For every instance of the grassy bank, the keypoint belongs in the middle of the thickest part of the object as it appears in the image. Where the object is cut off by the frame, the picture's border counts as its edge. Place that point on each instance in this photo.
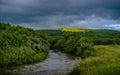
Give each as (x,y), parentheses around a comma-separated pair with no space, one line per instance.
(105,62)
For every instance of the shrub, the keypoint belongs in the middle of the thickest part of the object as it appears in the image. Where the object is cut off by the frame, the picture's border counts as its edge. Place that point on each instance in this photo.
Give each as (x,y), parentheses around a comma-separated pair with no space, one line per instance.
(84,47)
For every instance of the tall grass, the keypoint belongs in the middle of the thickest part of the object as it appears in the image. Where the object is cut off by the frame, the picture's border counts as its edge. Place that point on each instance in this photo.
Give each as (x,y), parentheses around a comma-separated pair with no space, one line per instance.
(105,62)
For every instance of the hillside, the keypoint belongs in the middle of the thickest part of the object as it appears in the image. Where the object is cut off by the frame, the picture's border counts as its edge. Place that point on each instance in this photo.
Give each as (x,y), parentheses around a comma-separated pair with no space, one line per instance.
(99,36)
(20,45)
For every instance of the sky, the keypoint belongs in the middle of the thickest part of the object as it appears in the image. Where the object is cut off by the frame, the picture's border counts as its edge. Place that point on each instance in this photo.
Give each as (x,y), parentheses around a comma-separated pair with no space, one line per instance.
(52,14)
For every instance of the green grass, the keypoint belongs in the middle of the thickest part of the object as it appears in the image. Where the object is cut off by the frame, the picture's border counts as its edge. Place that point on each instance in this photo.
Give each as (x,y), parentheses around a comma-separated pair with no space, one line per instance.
(73,30)
(105,62)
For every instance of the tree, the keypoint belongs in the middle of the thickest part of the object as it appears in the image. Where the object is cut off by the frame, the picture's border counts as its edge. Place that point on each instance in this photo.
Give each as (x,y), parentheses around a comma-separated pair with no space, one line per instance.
(84,47)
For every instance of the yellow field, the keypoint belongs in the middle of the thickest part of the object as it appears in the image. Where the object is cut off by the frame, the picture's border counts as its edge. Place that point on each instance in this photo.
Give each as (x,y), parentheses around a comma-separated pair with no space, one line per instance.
(73,30)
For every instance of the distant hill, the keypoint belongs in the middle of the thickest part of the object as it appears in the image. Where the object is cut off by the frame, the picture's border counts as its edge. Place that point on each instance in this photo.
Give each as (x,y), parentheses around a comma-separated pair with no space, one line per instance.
(73,30)
(98,36)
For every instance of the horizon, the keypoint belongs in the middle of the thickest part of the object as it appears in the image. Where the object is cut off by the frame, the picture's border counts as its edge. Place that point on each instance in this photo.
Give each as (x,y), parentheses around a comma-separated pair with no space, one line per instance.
(63,27)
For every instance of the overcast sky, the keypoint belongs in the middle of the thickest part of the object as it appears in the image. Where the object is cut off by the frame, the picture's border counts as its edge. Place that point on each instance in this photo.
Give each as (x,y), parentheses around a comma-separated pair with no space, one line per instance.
(45,14)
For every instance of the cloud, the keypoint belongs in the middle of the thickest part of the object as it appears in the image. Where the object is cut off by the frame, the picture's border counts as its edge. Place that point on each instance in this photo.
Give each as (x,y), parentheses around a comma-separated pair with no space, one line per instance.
(93,22)
(60,13)
(59,21)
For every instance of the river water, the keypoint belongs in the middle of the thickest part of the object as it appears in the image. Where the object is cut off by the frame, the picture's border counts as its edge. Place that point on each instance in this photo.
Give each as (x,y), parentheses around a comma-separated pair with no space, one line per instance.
(56,63)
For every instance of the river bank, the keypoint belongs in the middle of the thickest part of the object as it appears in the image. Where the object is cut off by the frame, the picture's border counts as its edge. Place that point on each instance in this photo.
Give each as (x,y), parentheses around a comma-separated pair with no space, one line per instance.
(56,63)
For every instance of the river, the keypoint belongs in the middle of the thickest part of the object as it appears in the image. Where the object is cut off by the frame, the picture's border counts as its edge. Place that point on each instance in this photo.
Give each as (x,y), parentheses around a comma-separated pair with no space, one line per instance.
(56,63)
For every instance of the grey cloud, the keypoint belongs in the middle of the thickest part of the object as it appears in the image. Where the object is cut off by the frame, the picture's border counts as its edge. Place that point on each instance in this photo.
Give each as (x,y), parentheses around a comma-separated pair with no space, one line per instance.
(93,22)
(60,13)
(52,22)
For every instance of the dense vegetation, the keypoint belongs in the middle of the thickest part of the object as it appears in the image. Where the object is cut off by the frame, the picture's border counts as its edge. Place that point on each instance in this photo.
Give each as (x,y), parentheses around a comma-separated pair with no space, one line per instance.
(98,37)
(20,45)
(105,62)
(74,44)
(80,42)
(103,37)
(69,42)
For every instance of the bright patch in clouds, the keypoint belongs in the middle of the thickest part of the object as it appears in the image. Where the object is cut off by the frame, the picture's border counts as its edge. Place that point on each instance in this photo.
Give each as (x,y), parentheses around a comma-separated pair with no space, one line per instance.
(113,26)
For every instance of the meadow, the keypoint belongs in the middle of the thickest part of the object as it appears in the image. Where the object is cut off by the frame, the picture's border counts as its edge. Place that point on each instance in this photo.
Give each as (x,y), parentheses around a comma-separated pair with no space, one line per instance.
(105,62)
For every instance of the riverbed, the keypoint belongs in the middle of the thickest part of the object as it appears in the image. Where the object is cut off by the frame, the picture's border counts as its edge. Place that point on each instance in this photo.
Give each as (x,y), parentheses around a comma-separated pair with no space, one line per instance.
(56,63)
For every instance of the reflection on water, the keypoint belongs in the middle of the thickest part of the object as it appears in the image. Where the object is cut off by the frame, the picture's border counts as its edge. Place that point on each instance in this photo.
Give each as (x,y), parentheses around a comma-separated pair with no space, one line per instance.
(56,63)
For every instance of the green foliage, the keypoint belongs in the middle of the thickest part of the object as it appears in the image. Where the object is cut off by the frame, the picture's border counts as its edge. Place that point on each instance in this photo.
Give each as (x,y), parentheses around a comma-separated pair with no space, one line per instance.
(17,56)
(103,37)
(59,44)
(75,44)
(98,37)
(69,45)
(20,45)
(84,47)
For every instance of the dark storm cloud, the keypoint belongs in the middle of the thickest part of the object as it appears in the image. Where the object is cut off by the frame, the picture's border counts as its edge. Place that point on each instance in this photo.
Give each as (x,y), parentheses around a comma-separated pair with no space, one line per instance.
(60,13)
